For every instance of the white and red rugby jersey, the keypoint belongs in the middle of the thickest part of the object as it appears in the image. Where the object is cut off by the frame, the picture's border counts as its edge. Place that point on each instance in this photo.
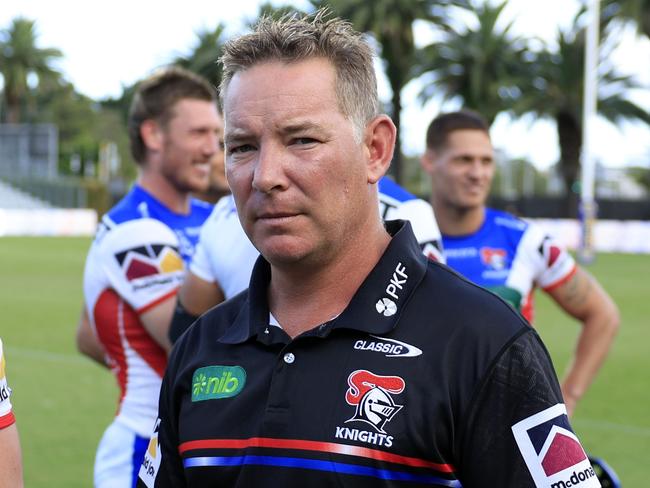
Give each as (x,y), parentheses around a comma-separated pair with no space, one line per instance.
(136,261)
(510,257)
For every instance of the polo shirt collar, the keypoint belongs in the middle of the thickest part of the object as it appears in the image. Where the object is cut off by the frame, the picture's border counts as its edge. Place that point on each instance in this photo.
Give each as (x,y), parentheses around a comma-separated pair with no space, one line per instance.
(377,305)
(375,308)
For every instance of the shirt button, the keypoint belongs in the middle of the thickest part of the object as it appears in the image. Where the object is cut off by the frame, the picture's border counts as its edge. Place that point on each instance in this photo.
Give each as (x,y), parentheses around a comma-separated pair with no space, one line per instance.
(289,358)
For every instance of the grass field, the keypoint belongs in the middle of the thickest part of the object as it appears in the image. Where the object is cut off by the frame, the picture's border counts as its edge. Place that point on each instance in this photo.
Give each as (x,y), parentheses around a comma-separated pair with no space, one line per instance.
(63,402)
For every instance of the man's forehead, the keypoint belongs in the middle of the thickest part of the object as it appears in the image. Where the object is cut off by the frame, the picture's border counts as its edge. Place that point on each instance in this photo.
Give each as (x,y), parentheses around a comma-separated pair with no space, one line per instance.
(467,140)
(294,98)
(277,78)
(245,126)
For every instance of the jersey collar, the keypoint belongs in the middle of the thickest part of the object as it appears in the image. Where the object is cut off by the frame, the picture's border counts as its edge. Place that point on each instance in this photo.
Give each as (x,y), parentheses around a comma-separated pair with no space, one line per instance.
(375,308)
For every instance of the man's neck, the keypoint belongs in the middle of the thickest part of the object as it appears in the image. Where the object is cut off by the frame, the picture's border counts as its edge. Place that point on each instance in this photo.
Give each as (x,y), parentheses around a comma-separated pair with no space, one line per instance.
(166,193)
(303,297)
(454,221)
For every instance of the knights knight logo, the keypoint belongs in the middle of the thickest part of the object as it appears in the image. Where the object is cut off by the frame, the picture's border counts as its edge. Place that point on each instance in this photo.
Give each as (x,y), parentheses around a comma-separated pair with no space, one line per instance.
(371,394)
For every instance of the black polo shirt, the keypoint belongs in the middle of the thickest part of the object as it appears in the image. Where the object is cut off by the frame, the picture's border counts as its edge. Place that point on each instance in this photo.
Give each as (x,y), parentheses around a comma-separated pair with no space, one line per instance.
(418,382)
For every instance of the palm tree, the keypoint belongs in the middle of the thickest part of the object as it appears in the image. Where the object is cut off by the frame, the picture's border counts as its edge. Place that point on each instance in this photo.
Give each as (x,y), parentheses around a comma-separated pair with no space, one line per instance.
(555,90)
(483,66)
(637,11)
(391,24)
(267,9)
(203,57)
(20,59)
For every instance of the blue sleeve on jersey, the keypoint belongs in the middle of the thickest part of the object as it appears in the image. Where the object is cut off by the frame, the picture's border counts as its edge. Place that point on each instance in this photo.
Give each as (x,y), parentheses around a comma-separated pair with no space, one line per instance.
(392,189)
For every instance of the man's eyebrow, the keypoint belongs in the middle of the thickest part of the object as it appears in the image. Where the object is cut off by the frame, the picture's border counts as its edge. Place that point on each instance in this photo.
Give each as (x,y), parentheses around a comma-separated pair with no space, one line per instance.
(235,135)
(299,127)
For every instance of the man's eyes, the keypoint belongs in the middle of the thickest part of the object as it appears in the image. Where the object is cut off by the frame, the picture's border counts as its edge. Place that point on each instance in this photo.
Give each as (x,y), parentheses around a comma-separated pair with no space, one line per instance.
(241,148)
(304,140)
(244,148)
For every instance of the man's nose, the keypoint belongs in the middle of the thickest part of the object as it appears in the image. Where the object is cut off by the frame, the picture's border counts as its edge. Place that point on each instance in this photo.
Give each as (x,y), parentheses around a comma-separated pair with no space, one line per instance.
(269,171)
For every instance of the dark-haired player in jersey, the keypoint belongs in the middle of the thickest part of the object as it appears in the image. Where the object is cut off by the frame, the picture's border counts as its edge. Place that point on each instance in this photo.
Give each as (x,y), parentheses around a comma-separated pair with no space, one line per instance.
(506,254)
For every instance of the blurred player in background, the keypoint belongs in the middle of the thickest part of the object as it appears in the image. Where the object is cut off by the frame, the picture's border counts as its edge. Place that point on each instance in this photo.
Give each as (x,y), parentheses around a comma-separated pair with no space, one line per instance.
(11,467)
(505,254)
(224,258)
(137,261)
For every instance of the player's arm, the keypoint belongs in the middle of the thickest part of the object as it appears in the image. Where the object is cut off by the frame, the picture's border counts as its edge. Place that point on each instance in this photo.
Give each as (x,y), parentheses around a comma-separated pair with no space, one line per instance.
(195,297)
(156,321)
(516,431)
(87,342)
(198,295)
(11,467)
(583,298)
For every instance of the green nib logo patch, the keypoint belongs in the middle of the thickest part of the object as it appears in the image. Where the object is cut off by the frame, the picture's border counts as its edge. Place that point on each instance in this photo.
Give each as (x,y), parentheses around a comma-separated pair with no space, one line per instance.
(213,382)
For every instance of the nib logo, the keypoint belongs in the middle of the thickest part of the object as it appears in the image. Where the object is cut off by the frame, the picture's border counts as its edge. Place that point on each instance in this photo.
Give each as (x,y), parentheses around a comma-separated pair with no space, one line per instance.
(552,451)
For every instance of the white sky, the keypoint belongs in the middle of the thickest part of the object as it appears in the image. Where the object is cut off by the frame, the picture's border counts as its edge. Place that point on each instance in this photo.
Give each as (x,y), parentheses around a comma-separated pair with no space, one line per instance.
(109,45)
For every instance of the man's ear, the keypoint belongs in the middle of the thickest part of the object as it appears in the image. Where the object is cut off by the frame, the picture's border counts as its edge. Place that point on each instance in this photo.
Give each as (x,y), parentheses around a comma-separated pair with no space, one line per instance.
(379,141)
(426,160)
(152,135)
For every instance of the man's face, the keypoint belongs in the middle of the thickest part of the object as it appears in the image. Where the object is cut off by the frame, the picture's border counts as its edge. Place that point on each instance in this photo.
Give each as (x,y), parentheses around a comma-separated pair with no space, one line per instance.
(190,141)
(298,176)
(462,171)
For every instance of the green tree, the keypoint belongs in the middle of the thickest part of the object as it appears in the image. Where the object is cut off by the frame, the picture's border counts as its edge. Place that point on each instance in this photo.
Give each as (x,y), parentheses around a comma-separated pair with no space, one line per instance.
(76,117)
(267,9)
(555,90)
(637,11)
(203,57)
(641,175)
(391,24)
(20,61)
(483,66)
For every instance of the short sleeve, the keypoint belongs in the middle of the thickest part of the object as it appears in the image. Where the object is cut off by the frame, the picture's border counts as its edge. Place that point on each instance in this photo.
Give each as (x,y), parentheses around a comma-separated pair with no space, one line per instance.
(224,254)
(423,222)
(139,259)
(200,264)
(552,263)
(517,431)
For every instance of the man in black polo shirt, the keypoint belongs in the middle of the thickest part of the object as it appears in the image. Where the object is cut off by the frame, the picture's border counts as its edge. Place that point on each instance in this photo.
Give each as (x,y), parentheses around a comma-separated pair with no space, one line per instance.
(351,360)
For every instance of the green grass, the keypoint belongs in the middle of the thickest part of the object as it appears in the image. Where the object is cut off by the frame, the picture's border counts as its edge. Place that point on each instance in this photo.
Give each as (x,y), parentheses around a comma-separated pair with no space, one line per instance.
(63,402)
